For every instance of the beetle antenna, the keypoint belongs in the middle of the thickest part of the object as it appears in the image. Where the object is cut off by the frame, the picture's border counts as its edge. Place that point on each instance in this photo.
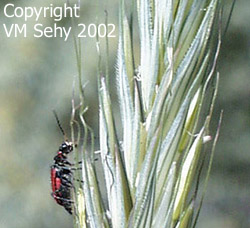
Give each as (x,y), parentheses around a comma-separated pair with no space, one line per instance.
(58,123)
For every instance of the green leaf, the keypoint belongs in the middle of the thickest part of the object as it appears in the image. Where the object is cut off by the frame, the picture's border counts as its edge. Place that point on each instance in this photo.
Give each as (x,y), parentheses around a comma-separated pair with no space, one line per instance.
(94,207)
(187,172)
(162,212)
(146,179)
(125,88)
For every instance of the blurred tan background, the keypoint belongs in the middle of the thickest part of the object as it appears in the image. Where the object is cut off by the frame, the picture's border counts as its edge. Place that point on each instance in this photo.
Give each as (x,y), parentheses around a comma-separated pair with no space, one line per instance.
(36,76)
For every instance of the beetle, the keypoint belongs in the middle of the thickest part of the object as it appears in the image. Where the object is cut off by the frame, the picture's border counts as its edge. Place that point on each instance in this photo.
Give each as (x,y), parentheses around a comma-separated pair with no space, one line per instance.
(61,174)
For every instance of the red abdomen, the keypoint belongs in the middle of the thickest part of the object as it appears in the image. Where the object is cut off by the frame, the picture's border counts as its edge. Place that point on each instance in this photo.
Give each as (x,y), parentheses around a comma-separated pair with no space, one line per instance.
(55,184)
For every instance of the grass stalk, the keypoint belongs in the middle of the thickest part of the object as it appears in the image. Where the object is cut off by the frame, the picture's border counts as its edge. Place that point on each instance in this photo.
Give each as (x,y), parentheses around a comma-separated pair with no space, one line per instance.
(152,173)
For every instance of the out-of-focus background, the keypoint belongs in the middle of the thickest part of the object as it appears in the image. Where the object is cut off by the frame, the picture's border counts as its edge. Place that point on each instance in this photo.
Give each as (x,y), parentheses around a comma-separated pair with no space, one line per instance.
(36,76)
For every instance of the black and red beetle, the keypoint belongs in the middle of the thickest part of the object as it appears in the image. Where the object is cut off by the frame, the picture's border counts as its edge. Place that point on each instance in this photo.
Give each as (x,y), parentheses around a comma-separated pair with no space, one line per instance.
(61,174)
(61,177)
